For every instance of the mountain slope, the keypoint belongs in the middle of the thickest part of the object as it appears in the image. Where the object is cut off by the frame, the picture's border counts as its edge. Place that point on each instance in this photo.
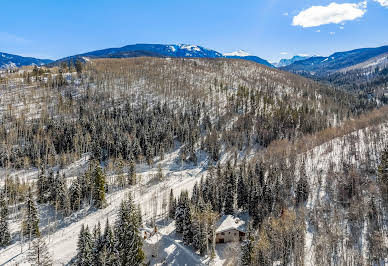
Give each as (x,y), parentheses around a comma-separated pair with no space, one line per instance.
(240,54)
(325,65)
(162,50)
(286,62)
(174,116)
(10,60)
(154,50)
(378,62)
(252,58)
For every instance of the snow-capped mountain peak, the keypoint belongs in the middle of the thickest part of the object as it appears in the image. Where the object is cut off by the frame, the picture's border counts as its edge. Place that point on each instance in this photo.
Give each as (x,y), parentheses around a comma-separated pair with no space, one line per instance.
(237,53)
(189,47)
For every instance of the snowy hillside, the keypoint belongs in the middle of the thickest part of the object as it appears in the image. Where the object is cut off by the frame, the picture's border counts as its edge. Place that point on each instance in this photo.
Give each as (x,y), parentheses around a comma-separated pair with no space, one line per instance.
(321,66)
(237,53)
(191,139)
(379,62)
(62,234)
(11,61)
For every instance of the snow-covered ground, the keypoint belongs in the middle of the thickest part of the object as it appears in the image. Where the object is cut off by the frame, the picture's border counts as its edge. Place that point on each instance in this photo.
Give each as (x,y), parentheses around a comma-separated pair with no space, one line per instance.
(356,148)
(152,196)
(165,247)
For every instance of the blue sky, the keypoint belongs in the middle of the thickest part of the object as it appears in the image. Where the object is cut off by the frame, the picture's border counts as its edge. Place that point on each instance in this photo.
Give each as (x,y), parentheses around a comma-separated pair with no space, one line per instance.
(271,29)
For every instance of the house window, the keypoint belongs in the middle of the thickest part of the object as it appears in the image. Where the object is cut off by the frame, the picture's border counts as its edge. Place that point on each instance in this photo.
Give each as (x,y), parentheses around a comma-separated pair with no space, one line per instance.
(222,233)
(229,233)
(235,234)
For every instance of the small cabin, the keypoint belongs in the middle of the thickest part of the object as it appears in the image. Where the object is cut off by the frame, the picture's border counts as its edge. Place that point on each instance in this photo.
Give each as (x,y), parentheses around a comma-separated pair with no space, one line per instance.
(230,229)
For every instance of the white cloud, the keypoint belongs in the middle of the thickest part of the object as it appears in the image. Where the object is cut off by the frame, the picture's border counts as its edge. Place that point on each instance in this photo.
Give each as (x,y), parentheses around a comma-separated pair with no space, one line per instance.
(382,2)
(318,31)
(342,27)
(332,33)
(285,14)
(333,13)
(303,54)
(283,53)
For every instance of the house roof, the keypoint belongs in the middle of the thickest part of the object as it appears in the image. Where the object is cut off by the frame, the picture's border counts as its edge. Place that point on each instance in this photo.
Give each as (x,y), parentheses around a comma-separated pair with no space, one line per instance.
(229,222)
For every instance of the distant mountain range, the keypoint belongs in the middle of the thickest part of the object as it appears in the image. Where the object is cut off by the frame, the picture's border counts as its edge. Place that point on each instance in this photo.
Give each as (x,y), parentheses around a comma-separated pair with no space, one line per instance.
(240,54)
(161,50)
(373,64)
(321,66)
(316,66)
(286,62)
(363,70)
(11,61)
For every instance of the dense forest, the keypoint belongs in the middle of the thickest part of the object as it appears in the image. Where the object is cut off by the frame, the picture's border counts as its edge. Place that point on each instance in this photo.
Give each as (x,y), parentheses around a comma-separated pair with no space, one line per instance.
(107,116)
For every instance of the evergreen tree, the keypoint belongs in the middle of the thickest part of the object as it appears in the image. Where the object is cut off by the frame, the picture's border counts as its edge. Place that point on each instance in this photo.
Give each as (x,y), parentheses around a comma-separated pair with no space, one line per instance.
(195,194)
(179,211)
(206,190)
(139,216)
(229,206)
(75,195)
(66,204)
(218,200)
(195,228)
(267,202)
(183,218)
(187,224)
(60,194)
(247,248)
(103,256)
(110,246)
(128,235)
(43,188)
(229,200)
(302,190)
(84,247)
(211,218)
(251,192)
(259,174)
(86,186)
(119,170)
(99,187)
(302,187)
(98,244)
(171,205)
(203,238)
(39,254)
(51,187)
(242,194)
(132,172)
(30,223)
(4,226)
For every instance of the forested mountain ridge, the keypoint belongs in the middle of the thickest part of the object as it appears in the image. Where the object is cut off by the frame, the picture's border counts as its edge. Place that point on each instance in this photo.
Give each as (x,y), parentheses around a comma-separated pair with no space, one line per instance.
(286,62)
(325,65)
(377,62)
(224,90)
(362,71)
(12,61)
(158,50)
